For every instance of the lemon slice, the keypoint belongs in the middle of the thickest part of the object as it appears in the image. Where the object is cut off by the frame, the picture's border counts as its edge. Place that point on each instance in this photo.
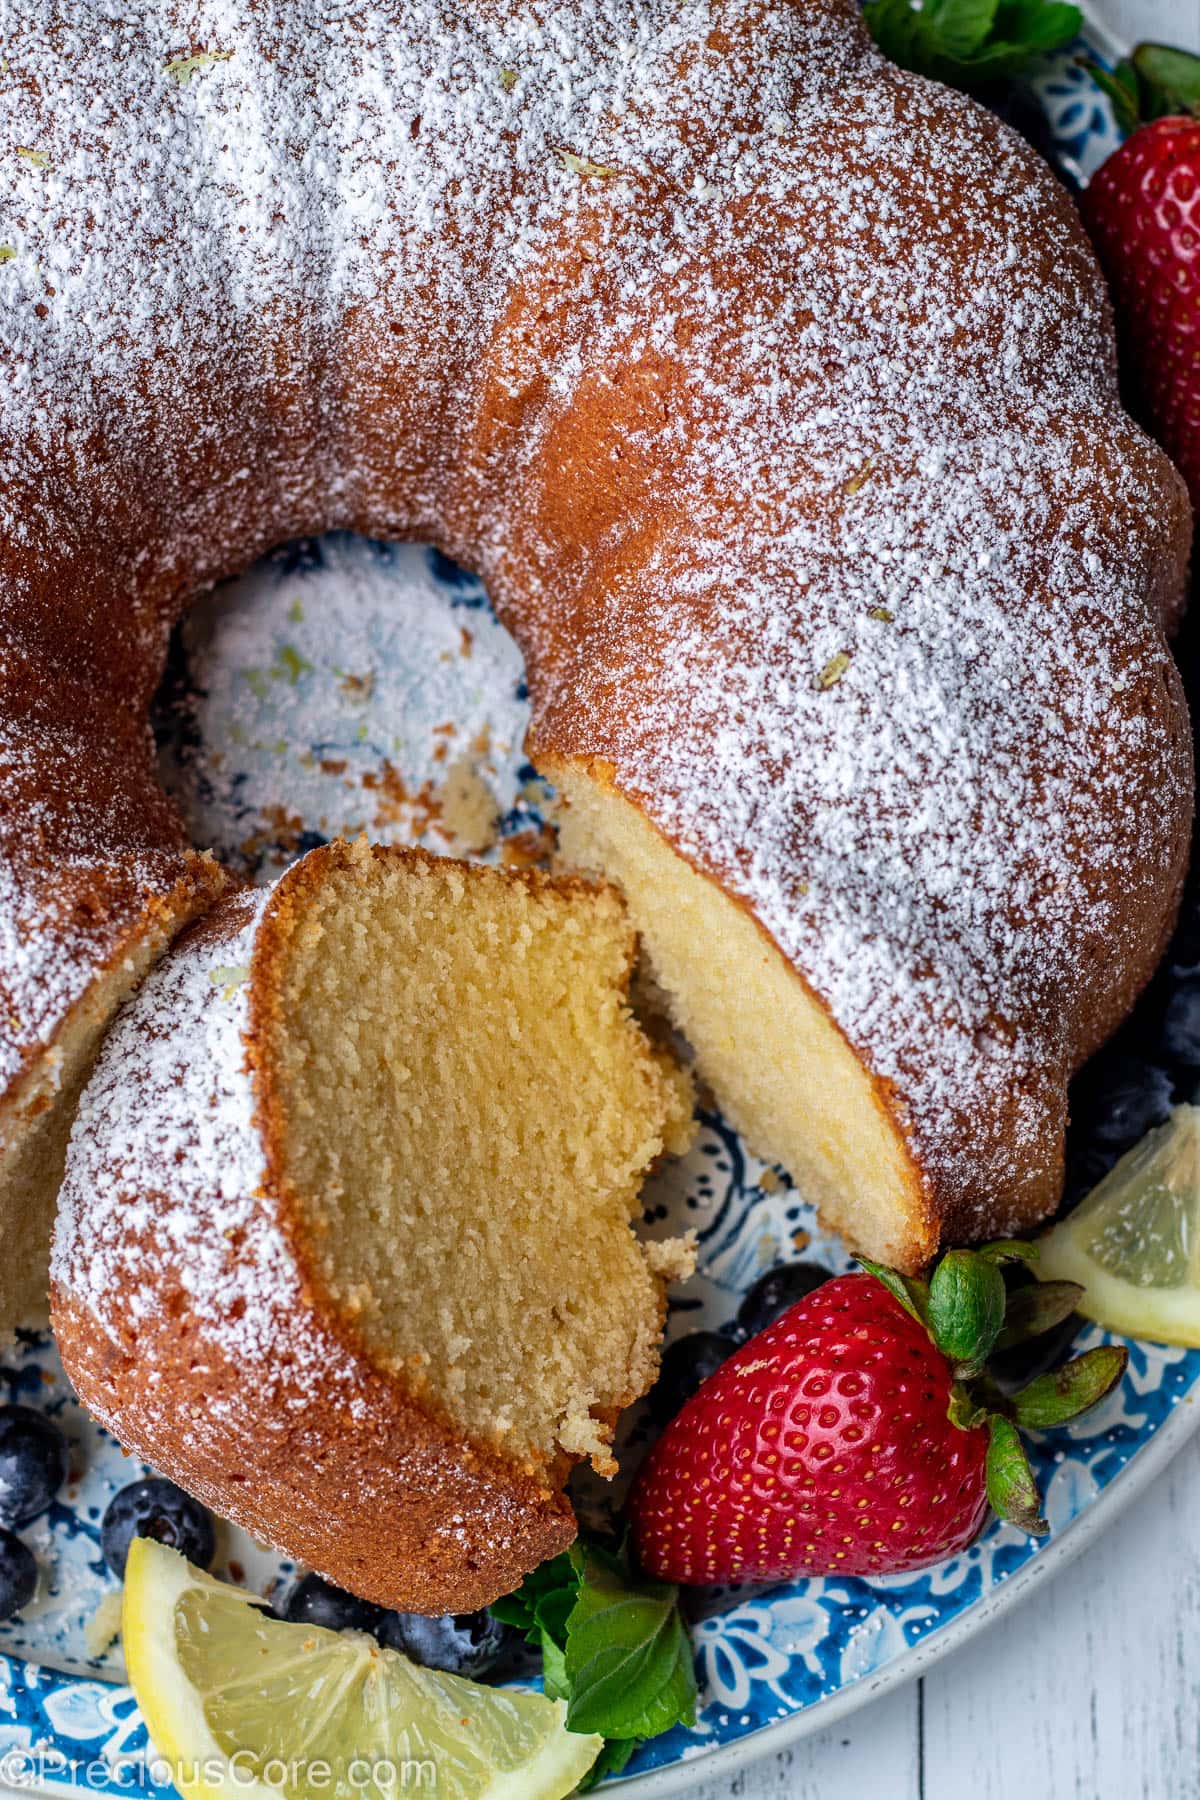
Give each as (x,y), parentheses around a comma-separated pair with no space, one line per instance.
(1134,1243)
(238,1703)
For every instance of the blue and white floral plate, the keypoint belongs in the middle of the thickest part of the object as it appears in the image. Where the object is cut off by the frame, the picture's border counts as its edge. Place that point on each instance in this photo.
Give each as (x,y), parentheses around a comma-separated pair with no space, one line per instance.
(348,686)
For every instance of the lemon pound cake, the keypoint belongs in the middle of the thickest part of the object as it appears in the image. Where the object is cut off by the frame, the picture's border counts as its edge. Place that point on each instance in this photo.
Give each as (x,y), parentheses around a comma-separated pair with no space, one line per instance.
(772,392)
(344,1244)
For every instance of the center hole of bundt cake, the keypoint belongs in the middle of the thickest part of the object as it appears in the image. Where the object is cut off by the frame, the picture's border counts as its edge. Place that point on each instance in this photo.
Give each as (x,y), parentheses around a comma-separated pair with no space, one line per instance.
(464,1109)
(345,685)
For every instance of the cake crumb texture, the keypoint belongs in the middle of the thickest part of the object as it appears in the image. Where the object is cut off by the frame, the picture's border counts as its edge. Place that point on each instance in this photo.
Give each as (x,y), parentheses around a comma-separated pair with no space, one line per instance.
(345,1240)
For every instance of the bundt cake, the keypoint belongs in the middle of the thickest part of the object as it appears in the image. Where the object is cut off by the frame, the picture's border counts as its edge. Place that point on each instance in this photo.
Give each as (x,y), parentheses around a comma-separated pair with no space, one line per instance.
(344,1243)
(772,392)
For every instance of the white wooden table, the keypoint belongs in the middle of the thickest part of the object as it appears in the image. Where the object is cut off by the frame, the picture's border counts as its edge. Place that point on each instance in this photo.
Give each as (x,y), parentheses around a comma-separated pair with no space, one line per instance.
(1091,1689)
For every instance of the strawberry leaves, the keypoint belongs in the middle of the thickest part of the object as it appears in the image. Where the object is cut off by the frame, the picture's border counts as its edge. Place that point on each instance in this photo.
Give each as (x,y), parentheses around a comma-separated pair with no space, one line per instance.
(970,1311)
(966,1309)
(1063,1394)
(1155,82)
(1036,1309)
(970,42)
(614,1647)
(1049,1400)
(909,1290)
(1011,1488)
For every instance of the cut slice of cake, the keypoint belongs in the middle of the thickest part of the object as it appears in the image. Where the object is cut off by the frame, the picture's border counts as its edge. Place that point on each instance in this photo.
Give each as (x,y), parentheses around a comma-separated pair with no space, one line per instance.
(345,1239)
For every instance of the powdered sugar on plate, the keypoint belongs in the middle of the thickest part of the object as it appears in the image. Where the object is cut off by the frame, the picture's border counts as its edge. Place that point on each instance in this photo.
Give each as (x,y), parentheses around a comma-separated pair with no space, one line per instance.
(342,687)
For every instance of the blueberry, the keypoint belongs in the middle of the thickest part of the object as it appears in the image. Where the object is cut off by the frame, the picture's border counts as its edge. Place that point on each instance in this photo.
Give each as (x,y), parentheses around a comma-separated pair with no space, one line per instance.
(685,1364)
(1025,116)
(1181,1024)
(18,1575)
(458,1643)
(773,1293)
(1184,955)
(314,1601)
(156,1509)
(33,1463)
(1123,1100)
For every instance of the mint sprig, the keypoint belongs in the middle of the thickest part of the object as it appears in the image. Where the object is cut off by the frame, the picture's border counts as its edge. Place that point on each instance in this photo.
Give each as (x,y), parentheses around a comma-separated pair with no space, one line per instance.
(971,42)
(613,1645)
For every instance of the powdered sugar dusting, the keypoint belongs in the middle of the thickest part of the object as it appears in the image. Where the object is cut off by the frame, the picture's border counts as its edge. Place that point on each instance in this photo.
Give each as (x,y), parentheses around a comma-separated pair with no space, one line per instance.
(772,393)
(165,1129)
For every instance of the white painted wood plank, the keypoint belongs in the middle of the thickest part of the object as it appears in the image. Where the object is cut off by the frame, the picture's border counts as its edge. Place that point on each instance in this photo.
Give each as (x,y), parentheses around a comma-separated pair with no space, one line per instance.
(1168,21)
(1092,1690)
(871,1756)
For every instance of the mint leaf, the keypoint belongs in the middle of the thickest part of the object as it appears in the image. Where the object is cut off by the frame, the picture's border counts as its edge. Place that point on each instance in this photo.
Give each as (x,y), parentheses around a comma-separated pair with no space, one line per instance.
(963,25)
(970,42)
(553,1609)
(554,1670)
(628,1658)
(611,1760)
(539,1607)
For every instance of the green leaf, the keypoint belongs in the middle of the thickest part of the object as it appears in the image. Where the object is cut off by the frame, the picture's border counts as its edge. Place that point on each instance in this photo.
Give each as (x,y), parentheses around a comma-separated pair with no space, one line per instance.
(1008,1250)
(970,42)
(1064,1393)
(511,1609)
(1010,1484)
(628,1658)
(1037,1308)
(1037,25)
(1121,86)
(966,1308)
(555,1679)
(1168,80)
(542,1601)
(964,1410)
(554,1609)
(611,1760)
(962,26)
(912,1294)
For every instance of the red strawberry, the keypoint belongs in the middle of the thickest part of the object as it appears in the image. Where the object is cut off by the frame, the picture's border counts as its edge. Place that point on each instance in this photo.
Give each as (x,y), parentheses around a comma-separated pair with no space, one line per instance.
(843,1439)
(1142,208)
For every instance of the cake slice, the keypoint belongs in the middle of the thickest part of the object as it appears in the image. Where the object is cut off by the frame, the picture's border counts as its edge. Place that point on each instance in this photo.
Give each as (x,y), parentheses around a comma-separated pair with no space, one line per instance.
(345,1244)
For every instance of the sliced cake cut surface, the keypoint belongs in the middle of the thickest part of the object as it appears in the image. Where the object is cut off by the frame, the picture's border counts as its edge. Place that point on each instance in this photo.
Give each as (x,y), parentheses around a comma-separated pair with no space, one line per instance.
(358,1267)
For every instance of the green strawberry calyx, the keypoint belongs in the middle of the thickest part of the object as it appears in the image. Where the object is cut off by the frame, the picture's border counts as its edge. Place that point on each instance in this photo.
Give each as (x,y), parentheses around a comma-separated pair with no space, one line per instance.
(971,1313)
(1153,82)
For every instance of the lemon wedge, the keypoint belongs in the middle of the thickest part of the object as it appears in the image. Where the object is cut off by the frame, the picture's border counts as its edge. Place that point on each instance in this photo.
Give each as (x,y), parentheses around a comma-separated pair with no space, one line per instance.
(1134,1243)
(238,1703)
